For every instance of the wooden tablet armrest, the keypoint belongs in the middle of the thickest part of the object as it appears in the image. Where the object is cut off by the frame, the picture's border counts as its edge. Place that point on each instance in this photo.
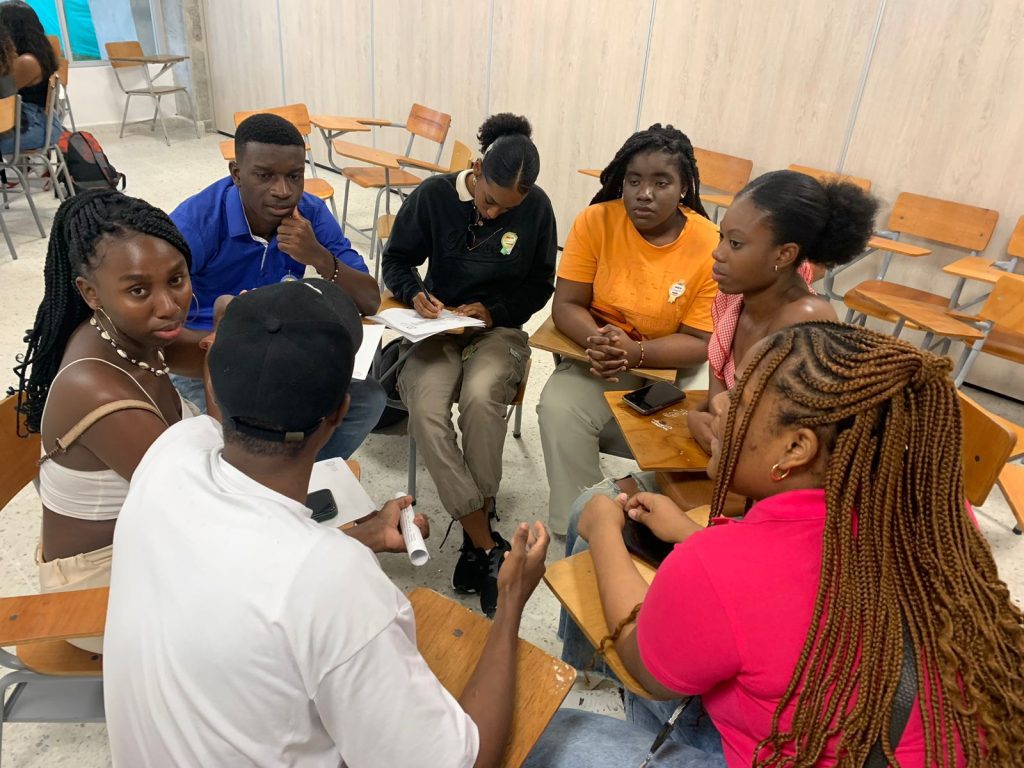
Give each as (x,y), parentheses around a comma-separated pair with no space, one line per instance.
(423,164)
(895,246)
(53,616)
(723,201)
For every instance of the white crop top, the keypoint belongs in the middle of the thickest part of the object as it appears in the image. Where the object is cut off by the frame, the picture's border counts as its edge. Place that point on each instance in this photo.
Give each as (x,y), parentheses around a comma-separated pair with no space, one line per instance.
(88,494)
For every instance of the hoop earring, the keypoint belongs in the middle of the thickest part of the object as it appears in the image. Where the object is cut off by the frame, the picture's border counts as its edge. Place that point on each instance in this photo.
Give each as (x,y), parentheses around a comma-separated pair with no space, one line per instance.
(778,475)
(776,267)
(195,301)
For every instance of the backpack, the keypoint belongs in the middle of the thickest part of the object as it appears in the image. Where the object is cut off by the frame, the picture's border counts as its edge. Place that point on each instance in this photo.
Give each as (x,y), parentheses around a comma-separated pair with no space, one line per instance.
(87,162)
(388,357)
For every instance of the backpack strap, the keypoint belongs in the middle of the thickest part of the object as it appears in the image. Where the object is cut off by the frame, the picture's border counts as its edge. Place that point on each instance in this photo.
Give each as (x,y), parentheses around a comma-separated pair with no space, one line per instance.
(902,703)
(65,442)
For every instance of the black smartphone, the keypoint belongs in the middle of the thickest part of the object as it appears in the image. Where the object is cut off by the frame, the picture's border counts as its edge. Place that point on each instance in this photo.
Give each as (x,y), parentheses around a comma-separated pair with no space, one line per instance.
(322,504)
(654,397)
(642,543)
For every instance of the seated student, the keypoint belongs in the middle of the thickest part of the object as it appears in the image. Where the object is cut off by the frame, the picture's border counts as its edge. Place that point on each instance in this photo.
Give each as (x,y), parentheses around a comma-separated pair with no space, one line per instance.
(635,289)
(257,227)
(780,228)
(489,236)
(32,67)
(117,292)
(268,639)
(857,559)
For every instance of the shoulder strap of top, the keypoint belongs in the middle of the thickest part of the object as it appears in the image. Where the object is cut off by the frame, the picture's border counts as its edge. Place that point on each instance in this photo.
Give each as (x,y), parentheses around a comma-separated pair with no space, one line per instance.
(65,442)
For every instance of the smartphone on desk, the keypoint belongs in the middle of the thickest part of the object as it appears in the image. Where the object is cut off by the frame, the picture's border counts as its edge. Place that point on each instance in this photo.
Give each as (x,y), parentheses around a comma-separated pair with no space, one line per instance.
(654,397)
(323,505)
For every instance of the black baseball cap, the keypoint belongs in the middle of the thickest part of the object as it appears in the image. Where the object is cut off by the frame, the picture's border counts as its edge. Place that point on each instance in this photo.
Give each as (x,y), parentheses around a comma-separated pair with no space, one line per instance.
(283,358)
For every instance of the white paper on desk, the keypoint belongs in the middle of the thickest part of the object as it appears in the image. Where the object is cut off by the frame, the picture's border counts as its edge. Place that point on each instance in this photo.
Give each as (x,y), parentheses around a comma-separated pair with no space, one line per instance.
(372,335)
(410,324)
(351,498)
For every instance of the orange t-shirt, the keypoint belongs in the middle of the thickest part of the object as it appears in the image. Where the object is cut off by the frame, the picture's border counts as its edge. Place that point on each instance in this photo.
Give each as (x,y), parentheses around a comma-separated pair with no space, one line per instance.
(634,277)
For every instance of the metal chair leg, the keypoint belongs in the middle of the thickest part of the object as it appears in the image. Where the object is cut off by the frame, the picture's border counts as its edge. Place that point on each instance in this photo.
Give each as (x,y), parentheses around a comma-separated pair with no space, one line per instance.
(411,490)
(344,207)
(28,196)
(7,237)
(156,112)
(163,124)
(124,117)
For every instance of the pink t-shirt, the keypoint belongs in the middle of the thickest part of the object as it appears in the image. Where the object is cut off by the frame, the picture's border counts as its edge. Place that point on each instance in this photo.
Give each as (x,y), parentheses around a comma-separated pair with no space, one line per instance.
(727,615)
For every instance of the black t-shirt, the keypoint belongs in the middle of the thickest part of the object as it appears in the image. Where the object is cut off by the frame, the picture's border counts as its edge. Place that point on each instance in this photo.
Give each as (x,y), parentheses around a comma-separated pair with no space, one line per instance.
(507,264)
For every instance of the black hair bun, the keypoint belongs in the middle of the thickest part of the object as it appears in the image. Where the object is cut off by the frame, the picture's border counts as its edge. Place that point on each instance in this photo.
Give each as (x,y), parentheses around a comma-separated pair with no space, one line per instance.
(849,226)
(502,124)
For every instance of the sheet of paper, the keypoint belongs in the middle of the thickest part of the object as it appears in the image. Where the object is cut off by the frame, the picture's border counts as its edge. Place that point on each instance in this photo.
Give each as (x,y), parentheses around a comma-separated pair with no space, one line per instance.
(351,498)
(412,326)
(364,357)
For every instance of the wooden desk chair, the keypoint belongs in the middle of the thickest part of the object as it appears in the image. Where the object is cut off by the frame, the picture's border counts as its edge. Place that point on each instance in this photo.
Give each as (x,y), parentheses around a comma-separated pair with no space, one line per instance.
(823,176)
(947,223)
(297,115)
(49,154)
(462,158)
(389,177)
(1011,483)
(63,102)
(450,637)
(10,120)
(133,49)
(726,173)
(989,442)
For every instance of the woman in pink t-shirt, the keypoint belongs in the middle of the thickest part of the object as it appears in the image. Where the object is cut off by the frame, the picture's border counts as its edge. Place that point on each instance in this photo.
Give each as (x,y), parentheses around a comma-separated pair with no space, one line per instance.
(790,624)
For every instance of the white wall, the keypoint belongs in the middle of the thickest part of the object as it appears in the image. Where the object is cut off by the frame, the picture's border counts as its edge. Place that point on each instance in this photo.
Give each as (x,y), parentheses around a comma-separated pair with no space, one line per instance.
(96,99)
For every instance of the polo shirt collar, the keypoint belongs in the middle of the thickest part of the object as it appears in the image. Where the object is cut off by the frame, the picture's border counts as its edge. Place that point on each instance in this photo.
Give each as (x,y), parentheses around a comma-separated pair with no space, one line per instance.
(238,223)
(462,186)
(806,504)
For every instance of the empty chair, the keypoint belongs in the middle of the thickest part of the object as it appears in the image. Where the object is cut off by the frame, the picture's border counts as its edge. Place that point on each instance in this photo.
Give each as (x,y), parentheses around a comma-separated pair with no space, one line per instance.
(726,173)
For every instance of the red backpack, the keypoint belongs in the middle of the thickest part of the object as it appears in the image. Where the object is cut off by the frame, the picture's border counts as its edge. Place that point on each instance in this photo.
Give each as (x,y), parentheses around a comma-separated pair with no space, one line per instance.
(87,162)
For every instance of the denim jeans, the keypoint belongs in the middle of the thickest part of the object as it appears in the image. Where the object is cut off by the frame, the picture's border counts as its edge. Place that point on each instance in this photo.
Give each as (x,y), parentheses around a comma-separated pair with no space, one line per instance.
(33,130)
(368,401)
(576,649)
(577,739)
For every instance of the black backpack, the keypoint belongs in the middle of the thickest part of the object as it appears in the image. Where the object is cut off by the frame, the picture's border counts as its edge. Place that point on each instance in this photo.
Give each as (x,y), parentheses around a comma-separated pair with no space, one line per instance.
(88,163)
(388,357)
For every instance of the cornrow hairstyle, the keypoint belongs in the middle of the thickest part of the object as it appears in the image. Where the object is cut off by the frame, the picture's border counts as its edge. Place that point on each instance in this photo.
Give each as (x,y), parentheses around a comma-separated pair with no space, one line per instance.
(657,138)
(267,128)
(80,223)
(28,35)
(510,158)
(890,416)
(830,221)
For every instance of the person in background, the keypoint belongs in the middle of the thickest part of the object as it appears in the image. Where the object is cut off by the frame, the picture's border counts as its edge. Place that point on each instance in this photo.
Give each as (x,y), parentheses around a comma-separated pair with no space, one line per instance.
(257,227)
(116,295)
(635,290)
(33,64)
(488,235)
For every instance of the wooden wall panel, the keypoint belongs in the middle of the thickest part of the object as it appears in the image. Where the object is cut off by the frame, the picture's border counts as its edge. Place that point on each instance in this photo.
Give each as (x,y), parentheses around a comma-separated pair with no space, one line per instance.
(771,82)
(941,117)
(244,52)
(435,54)
(574,68)
(327,62)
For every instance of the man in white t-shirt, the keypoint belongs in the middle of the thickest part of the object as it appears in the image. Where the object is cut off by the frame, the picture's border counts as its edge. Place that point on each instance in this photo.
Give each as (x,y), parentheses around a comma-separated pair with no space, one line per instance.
(242,633)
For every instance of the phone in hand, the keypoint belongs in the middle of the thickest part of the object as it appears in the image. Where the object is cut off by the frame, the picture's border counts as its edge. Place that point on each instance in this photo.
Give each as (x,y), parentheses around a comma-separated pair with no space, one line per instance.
(323,505)
(654,397)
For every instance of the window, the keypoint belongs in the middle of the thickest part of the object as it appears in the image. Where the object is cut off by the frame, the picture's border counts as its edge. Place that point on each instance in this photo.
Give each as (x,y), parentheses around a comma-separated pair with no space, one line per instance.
(89,24)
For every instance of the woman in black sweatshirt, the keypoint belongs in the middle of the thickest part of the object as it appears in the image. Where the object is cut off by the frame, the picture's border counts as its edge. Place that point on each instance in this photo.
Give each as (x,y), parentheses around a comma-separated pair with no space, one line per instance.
(488,235)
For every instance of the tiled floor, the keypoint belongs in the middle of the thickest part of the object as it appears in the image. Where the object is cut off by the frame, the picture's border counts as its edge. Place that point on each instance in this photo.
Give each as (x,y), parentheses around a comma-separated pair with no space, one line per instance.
(164,176)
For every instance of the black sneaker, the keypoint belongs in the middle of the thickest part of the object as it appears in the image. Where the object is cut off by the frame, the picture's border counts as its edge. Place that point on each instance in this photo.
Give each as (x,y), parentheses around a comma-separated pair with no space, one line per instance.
(469,568)
(489,575)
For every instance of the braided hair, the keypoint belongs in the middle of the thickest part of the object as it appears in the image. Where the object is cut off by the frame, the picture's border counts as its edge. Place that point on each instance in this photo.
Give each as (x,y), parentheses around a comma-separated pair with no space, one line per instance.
(890,416)
(657,138)
(80,223)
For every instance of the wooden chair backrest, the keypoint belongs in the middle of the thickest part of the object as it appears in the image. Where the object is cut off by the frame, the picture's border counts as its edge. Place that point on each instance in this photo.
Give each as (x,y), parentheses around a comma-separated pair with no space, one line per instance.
(8,113)
(1005,305)
(957,224)
(462,157)
(725,172)
(1016,246)
(987,447)
(19,456)
(62,72)
(124,48)
(296,114)
(428,123)
(450,637)
(824,176)
(55,44)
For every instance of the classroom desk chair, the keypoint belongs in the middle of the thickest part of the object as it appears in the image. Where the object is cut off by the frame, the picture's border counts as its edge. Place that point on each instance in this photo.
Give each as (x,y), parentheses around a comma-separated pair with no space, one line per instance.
(63,100)
(10,120)
(48,155)
(726,173)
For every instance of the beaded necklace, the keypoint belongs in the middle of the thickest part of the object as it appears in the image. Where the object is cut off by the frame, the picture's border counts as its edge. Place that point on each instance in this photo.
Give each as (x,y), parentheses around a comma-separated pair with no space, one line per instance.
(162,370)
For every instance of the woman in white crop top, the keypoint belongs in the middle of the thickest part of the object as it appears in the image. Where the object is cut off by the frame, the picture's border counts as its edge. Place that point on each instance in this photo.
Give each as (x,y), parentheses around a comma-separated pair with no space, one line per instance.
(117,292)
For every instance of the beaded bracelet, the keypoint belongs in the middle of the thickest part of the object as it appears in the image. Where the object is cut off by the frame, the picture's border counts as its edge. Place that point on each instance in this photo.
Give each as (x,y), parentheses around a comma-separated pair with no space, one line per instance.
(334,274)
(640,362)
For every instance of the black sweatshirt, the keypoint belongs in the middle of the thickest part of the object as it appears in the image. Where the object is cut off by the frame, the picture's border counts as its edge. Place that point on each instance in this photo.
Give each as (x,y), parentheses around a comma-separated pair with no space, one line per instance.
(433,223)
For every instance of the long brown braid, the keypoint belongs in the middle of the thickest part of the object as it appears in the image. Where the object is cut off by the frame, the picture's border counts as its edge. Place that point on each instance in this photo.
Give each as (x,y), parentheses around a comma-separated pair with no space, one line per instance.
(898,543)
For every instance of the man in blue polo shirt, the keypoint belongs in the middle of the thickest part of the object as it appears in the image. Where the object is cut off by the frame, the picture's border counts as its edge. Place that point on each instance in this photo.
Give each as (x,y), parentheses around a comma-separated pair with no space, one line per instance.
(257,227)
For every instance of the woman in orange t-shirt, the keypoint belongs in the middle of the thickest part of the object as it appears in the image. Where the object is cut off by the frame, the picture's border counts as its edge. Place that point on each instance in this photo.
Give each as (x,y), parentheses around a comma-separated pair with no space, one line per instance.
(634,290)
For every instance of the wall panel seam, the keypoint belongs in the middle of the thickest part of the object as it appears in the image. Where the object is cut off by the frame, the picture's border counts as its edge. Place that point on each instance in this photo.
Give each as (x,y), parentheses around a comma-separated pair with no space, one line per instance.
(280,53)
(643,72)
(869,56)
(490,51)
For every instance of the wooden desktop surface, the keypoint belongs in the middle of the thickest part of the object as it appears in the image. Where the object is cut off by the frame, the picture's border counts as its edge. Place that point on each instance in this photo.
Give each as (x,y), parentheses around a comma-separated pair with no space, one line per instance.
(367,154)
(665,449)
(338,124)
(165,58)
(550,339)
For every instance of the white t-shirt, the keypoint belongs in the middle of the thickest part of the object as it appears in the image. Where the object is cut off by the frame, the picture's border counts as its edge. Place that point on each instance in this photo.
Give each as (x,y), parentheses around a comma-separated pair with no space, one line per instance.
(242,633)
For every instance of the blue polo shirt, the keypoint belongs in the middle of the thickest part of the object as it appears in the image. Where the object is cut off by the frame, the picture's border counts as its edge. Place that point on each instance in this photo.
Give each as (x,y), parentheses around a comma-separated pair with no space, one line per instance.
(228,259)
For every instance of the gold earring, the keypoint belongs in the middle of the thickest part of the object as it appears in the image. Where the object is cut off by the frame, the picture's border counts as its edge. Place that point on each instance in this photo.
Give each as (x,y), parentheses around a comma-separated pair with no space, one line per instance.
(776,267)
(778,475)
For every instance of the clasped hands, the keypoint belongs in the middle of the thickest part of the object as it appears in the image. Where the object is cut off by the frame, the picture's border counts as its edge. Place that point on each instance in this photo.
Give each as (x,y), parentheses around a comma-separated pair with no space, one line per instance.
(611,352)
(659,513)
